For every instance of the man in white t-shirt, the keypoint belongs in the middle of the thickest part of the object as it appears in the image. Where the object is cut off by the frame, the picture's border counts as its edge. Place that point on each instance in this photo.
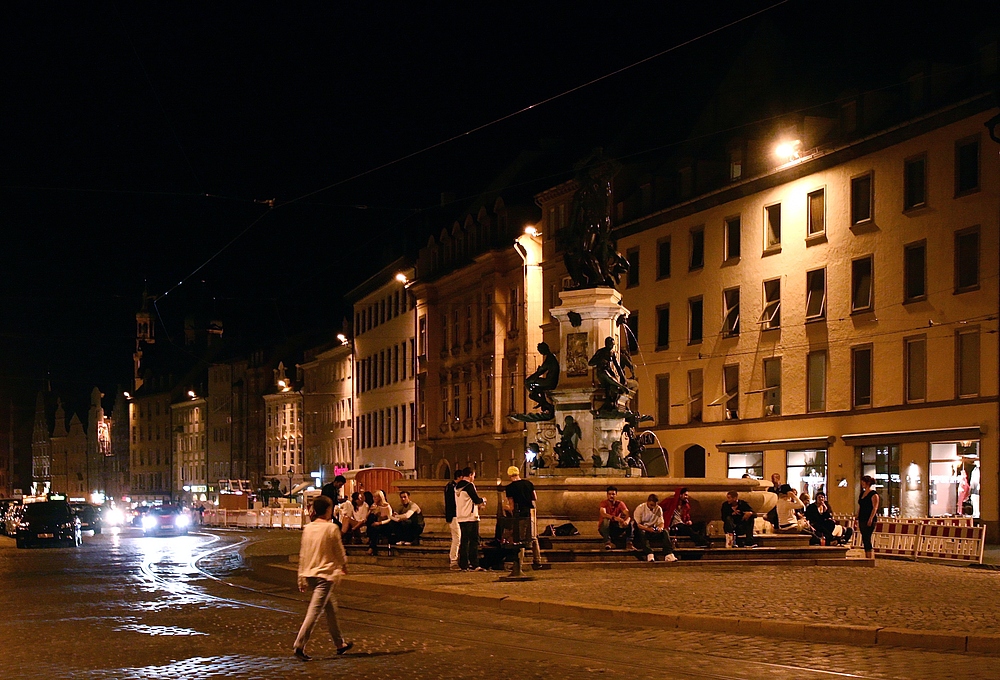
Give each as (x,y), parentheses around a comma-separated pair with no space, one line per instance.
(322,562)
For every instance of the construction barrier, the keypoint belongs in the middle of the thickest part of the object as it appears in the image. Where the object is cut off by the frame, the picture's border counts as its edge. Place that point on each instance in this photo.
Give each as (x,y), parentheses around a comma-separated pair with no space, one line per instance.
(264,518)
(943,542)
(896,538)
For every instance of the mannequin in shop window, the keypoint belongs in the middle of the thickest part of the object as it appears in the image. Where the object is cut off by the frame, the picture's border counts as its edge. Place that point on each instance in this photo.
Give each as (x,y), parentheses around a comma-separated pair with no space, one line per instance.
(974,489)
(963,490)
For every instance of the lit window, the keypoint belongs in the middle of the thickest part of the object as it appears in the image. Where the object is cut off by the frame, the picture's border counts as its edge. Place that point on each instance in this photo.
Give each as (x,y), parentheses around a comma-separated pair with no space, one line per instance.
(816,294)
(746,464)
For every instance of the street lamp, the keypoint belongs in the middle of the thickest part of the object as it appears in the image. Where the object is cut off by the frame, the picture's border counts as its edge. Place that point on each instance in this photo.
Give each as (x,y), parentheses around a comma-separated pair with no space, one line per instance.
(788,151)
(291,471)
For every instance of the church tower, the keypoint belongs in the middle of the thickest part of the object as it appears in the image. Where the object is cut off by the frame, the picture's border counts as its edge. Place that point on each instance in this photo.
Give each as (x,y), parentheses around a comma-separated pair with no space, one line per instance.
(144,335)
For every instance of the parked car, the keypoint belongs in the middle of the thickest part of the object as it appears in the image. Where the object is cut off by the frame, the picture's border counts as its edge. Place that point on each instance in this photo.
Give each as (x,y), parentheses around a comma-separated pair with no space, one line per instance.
(168,519)
(48,522)
(90,516)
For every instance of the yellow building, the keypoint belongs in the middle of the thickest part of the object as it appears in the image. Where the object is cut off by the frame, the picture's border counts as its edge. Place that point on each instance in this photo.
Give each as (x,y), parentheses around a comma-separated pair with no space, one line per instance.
(384,351)
(283,435)
(478,315)
(190,468)
(327,384)
(832,316)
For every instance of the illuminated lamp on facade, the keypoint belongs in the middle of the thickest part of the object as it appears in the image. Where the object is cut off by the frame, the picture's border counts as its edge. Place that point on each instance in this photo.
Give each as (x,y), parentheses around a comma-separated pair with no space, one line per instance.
(788,151)
(531,231)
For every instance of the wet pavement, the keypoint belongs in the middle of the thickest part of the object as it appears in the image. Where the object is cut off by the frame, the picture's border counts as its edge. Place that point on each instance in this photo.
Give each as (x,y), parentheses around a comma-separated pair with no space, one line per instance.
(126,606)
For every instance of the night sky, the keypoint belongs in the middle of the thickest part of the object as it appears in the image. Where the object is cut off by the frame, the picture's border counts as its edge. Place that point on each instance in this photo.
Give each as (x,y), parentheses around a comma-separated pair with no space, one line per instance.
(142,138)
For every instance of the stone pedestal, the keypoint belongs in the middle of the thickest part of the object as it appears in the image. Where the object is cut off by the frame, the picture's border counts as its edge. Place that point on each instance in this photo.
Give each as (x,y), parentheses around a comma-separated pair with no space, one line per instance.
(586,317)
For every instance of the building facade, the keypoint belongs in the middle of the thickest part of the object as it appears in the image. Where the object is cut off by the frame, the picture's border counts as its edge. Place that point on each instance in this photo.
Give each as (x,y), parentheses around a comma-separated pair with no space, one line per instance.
(475,343)
(385,359)
(190,448)
(832,316)
(284,433)
(328,405)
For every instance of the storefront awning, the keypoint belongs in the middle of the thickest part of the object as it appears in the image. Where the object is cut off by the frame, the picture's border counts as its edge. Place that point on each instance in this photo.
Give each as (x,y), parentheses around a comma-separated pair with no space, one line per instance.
(944,434)
(771,444)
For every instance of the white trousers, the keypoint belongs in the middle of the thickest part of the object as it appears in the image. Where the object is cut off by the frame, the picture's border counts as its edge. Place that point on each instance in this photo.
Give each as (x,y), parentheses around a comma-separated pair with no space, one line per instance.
(456,536)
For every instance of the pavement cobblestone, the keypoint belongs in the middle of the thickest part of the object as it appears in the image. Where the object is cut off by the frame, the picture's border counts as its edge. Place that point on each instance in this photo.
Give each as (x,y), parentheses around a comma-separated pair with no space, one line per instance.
(128,611)
(899,594)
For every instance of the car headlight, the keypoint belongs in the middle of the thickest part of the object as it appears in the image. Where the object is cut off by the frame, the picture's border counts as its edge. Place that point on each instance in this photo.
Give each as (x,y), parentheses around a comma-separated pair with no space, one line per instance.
(114,517)
(182,520)
(148,522)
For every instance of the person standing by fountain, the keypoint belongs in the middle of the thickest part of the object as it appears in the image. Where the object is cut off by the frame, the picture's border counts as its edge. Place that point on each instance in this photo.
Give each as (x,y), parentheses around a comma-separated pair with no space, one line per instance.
(452,522)
(467,504)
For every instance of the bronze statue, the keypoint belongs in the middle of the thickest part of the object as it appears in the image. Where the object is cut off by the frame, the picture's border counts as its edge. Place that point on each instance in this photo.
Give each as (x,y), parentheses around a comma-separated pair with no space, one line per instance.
(565,450)
(591,255)
(609,374)
(625,354)
(615,457)
(545,378)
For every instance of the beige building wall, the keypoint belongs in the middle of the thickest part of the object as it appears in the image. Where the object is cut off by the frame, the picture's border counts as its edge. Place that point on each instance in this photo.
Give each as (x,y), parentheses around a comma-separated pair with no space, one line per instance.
(190,447)
(385,386)
(478,326)
(284,432)
(328,402)
(938,317)
(150,448)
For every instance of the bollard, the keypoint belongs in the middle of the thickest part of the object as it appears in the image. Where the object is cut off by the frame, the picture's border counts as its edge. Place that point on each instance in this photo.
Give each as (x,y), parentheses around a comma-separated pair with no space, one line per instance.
(516,574)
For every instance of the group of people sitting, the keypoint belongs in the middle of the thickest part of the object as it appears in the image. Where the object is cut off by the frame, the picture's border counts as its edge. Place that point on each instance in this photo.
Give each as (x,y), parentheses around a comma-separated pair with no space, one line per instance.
(657,523)
(795,514)
(653,523)
(367,514)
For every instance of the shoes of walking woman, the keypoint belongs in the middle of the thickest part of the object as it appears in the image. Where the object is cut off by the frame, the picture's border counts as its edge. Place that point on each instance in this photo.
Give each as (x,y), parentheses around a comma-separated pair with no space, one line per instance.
(301,655)
(343,650)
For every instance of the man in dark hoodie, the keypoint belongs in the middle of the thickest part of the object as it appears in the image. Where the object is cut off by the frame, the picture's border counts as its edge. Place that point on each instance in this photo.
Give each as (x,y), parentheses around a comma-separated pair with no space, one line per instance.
(467,504)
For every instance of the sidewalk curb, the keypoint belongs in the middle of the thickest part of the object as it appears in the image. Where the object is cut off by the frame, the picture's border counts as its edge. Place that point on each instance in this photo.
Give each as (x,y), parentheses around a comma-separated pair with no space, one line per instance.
(856,635)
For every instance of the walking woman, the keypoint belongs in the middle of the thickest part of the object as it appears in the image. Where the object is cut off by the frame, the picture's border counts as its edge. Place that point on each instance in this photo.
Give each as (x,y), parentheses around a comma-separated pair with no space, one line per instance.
(868,503)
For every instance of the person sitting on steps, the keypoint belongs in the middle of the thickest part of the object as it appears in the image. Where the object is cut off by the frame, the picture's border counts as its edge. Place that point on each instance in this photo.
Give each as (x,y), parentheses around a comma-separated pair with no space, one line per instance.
(677,513)
(613,520)
(737,519)
(788,503)
(648,528)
